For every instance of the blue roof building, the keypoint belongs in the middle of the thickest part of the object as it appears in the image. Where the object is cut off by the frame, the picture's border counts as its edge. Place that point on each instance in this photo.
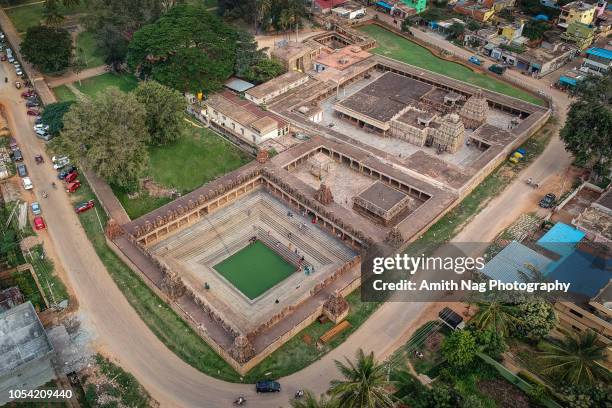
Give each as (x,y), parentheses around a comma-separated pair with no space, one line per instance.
(598,60)
(513,259)
(561,239)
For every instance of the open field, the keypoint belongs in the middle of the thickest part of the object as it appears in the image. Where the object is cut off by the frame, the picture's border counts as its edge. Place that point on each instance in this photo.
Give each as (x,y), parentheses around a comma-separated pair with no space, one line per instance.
(393,46)
(254,278)
(201,152)
(86,48)
(30,14)
(63,94)
(92,86)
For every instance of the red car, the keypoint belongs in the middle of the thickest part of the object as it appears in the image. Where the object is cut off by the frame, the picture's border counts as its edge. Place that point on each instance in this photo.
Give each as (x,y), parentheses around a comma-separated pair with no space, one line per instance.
(84,206)
(39,223)
(27,94)
(74,186)
(71,177)
(32,112)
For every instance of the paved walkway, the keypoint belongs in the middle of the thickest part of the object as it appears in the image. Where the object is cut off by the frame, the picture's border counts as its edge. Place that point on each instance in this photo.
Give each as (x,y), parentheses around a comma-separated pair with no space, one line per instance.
(71,77)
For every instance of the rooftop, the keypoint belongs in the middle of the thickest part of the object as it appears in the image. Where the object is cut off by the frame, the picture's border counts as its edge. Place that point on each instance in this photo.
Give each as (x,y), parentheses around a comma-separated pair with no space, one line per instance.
(600,52)
(578,5)
(242,110)
(561,239)
(343,58)
(238,85)
(382,196)
(22,337)
(275,84)
(515,258)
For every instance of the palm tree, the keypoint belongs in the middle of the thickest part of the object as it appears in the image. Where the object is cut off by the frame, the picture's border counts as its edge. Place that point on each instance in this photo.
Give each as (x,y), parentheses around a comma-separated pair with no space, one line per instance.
(51,13)
(263,8)
(576,359)
(363,385)
(494,315)
(310,401)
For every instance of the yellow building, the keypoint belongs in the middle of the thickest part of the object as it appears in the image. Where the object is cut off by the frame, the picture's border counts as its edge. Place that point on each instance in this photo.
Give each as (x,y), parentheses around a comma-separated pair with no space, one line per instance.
(577,11)
(512,31)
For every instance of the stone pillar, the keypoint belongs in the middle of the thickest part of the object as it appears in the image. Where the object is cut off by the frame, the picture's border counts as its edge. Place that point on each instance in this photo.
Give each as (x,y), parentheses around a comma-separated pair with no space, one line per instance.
(113,229)
(336,308)
(242,350)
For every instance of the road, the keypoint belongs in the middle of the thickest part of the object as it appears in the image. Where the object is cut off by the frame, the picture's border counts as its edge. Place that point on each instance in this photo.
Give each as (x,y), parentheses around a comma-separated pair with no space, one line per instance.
(122,334)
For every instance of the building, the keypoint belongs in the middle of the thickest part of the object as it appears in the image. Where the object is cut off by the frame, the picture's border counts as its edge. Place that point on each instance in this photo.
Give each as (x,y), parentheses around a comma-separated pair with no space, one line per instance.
(340,59)
(325,6)
(512,31)
(582,35)
(475,10)
(296,56)
(25,360)
(596,220)
(578,11)
(545,60)
(262,94)
(10,297)
(597,61)
(418,5)
(242,119)
(350,10)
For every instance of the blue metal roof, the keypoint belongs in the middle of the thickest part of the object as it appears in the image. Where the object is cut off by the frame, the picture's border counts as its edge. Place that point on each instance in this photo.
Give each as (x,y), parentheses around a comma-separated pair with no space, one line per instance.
(567,81)
(515,257)
(561,239)
(586,272)
(600,52)
(385,5)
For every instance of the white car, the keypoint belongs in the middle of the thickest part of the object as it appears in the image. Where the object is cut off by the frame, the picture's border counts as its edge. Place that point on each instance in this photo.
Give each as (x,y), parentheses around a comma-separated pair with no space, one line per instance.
(59,162)
(41,126)
(41,132)
(27,183)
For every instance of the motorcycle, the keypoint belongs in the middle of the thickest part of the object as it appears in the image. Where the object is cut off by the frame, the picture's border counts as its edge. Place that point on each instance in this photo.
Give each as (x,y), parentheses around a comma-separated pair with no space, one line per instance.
(299,394)
(240,401)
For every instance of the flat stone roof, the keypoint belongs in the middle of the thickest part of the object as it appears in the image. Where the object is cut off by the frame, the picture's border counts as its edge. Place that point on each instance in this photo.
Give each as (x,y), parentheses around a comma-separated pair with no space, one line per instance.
(343,58)
(22,337)
(271,86)
(386,96)
(382,196)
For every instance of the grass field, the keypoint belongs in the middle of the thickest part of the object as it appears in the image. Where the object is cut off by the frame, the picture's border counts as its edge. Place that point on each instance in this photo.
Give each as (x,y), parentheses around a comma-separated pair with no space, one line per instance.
(254,269)
(86,48)
(27,15)
(196,158)
(393,46)
(63,93)
(91,86)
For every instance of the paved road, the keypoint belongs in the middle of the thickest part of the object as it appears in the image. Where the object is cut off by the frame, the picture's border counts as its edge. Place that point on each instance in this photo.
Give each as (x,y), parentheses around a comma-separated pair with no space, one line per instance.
(172,382)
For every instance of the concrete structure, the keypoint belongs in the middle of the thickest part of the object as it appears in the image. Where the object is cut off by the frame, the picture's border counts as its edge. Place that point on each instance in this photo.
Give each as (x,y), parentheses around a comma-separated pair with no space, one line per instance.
(296,56)
(597,61)
(10,297)
(242,119)
(450,135)
(350,10)
(545,60)
(580,34)
(25,351)
(512,31)
(475,10)
(596,219)
(418,5)
(576,11)
(262,94)
(340,59)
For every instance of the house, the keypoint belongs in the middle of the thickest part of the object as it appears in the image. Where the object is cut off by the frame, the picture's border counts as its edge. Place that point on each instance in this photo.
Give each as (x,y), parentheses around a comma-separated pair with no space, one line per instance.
(542,60)
(350,10)
(25,361)
(296,56)
(576,11)
(512,31)
(418,5)
(597,61)
(263,93)
(582,35)
(475,10)
(325,6)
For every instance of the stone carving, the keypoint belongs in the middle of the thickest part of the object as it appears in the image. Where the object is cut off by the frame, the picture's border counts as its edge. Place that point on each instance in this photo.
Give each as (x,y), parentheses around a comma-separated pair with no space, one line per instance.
(394,238)
(242,350)
(324,194)
(113,229)
(336,308)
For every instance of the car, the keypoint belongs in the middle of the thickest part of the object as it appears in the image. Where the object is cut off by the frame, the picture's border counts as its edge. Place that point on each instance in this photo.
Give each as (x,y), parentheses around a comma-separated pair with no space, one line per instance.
(13,144)
(17,156)
(27,183)
(22,170)
(267,386)
(84,206)
(3,57)
(32,112)
(38,121)
(27,94)
(498,69)
(60,162)
(74,186)
(475,60)
(548,201)
(40,132)
(41,126)
(71,177)
(32,104)
(39,223)
(35,208)
(19,72)
(66,171)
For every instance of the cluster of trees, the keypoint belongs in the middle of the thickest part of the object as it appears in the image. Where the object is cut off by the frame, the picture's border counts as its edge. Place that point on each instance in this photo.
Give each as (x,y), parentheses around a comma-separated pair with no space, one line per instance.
(588,129)
(111,134)
(189,49)
(265,15)
(47,48)
(534,29)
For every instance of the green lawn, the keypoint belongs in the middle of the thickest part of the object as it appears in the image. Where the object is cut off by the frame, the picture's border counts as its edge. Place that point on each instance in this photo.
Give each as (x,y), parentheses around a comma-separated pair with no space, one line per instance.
(63,93)
(255,269)
(394,46)
(26,16)
(198,157)
(91,86)
(86,48)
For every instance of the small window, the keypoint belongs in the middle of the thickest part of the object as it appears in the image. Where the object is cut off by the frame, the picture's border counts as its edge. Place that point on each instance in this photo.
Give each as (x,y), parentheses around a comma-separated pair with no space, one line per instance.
(572,311)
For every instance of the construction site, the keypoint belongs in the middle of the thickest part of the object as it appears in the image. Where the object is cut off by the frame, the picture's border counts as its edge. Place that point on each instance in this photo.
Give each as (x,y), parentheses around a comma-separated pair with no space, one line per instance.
(377,151)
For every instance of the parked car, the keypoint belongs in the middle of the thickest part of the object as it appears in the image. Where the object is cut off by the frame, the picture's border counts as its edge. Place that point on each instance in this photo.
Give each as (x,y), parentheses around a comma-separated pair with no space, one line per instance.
(498,69)
(74,186)
(27,94)
(38,121)
(66,171)
(27,183)
(40,132)
(84,206)
(39,223)
(17,156)
(32,112)
(13,144)
(475,60)
(22,170)
(60,162)
(548,201)
(71,177)
(267,386)
(32,104)
(35,208)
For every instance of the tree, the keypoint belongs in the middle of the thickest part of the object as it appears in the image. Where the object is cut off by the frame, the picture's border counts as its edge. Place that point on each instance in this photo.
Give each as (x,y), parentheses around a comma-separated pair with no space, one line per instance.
(264,70)
(473,25)
(535,319)
(187,49)
(263,8)
(459,348)
(112,44)
(490,342)
(576,359)
(494,315)
(309,400)
(48,49)
(363,383)
(247,54)
(109,136)
(164,109)
(53,116)
(51,14)
(584,396)
(78,65)
(455,31)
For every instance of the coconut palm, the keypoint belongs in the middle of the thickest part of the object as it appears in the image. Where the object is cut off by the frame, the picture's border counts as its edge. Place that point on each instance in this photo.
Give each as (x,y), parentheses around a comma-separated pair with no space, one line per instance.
(576,359)
(263,8)
(363,385)
(494,315)
(52,16)
(309,400)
